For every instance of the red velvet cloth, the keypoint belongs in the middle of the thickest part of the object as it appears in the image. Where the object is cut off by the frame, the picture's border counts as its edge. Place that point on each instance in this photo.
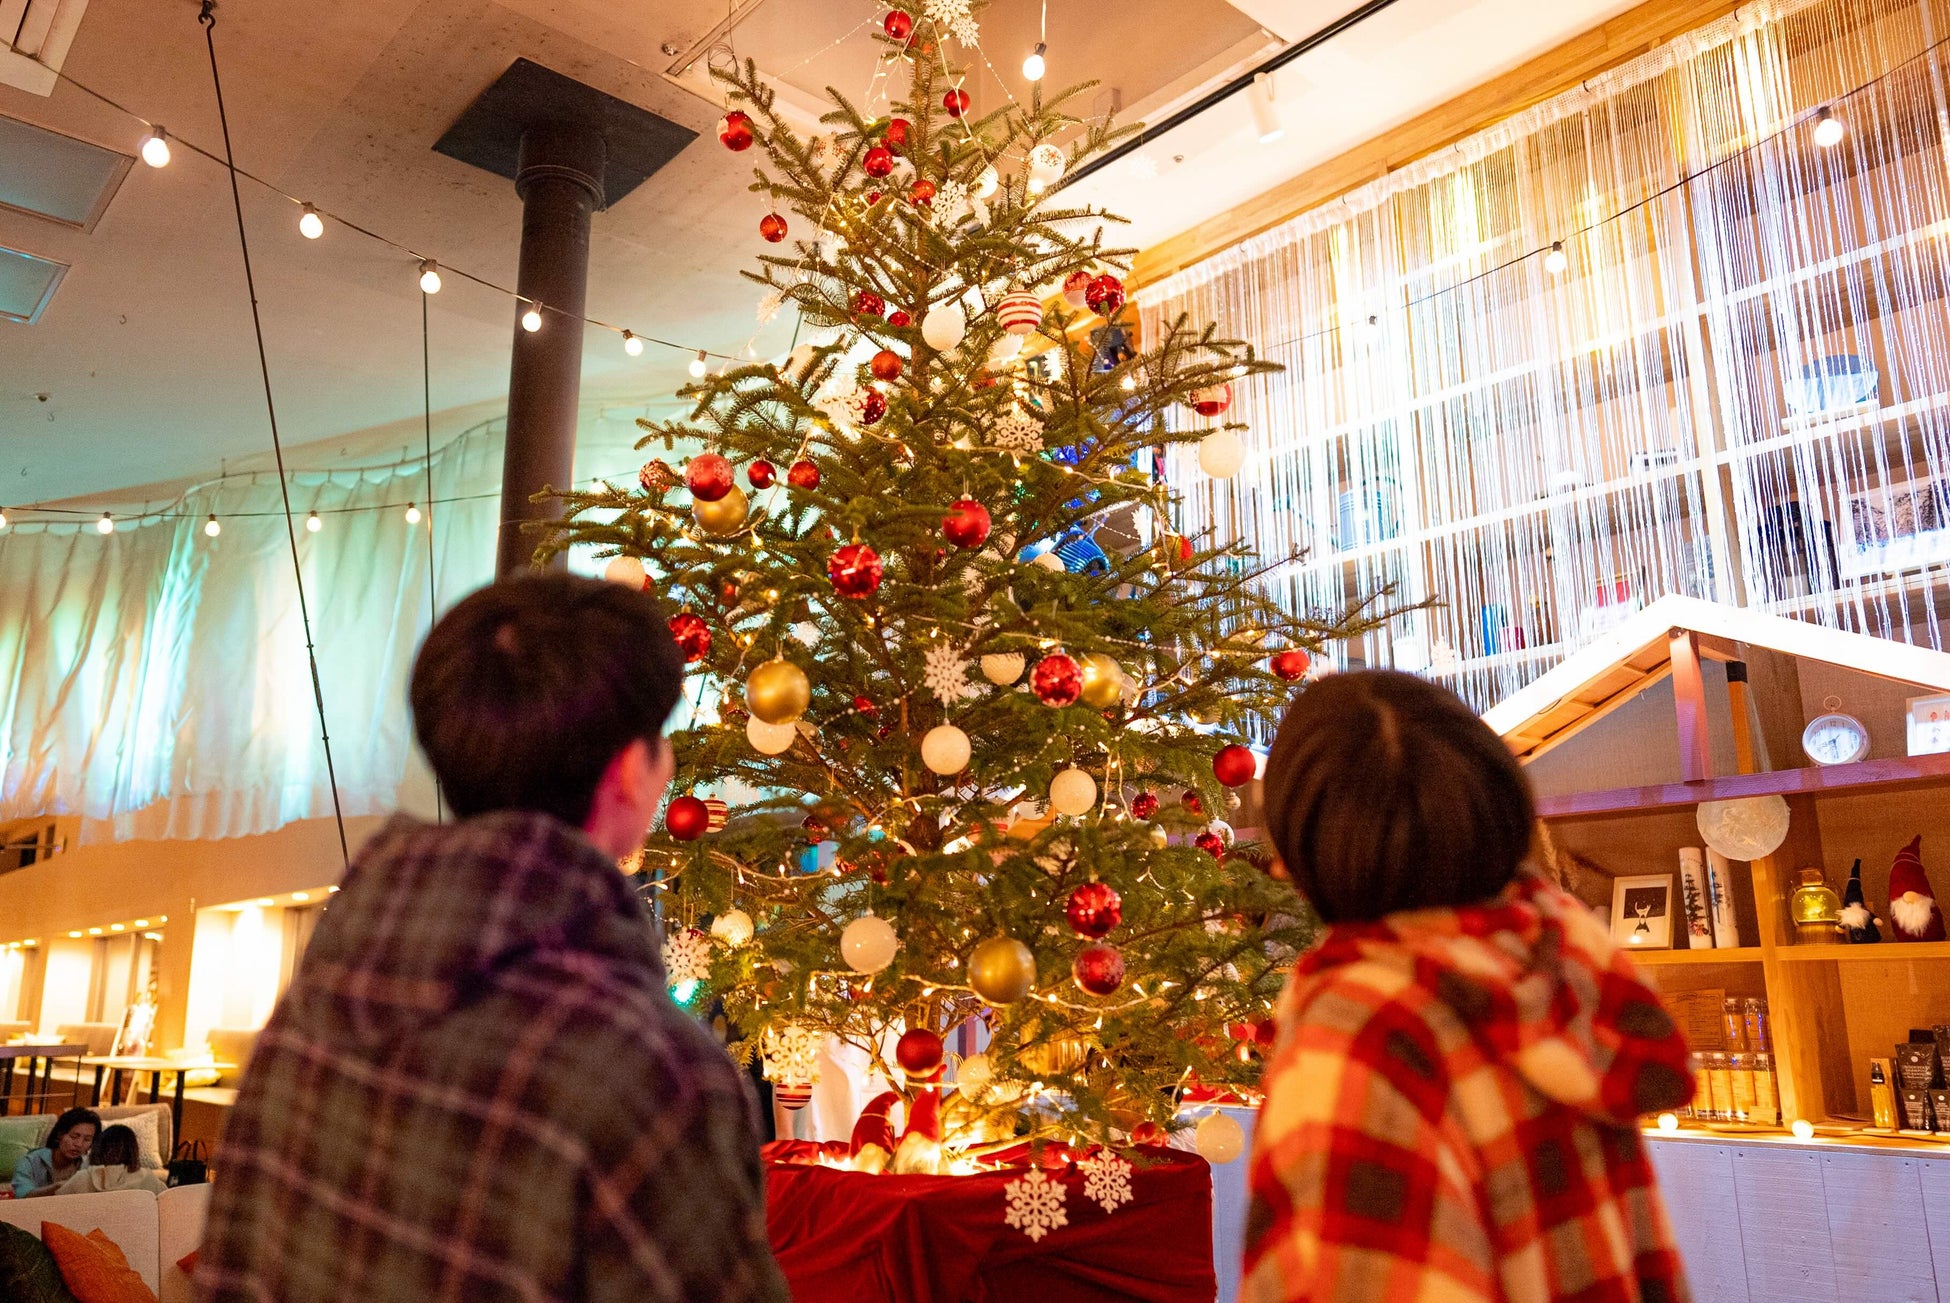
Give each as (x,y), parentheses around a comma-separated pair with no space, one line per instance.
(853,1237)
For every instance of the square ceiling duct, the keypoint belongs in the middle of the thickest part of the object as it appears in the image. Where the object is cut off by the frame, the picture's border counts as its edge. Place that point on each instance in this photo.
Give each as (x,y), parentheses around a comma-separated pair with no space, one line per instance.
(46,174)
(27,285)
(34,40)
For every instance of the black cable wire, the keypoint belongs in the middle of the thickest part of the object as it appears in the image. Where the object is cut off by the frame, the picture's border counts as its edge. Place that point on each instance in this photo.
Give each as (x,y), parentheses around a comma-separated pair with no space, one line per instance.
(207,16)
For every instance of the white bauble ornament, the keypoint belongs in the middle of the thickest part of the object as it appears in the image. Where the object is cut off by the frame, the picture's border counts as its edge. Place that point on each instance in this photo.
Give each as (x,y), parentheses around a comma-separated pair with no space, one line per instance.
(1746,829)
(734,927)
(1046,164)
(868,944)
(1220,1139)
(944,326)
(1073,792)
(1003,668)
(799,363)
(1220,454)
(972,1078)
(987,183)
(770,739)
(1005,350)
(945,749)
(1049,561)
(627,571)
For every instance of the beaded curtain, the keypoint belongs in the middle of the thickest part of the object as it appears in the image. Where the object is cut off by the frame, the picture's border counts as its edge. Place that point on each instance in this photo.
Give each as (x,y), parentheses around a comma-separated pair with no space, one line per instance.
(1737,386)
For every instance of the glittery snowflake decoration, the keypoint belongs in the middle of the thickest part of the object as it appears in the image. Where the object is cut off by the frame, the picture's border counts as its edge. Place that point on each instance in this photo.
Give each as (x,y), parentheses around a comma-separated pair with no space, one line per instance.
(1018,432)
(946,673)
(770,305)
(955,16)
(1035,1204)
(791,1055)
(687,957)
(951,204)
(1107,1180)
(840,401)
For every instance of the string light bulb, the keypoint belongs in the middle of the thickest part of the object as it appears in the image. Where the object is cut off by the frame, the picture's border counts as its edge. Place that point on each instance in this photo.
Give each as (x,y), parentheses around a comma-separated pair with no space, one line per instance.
(531,320)
(429,276)
(699,366)
(312,523)
(211,527)
(155,149)
(1829,129)
(632,345)
(1556,260)
(1032,67)
(412,513)
(106,525)
(3,517)
(1129,384)
(310,224)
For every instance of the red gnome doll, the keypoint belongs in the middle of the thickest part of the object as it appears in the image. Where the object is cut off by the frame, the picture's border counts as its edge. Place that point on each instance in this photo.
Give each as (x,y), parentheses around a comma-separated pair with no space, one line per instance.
(1913,910)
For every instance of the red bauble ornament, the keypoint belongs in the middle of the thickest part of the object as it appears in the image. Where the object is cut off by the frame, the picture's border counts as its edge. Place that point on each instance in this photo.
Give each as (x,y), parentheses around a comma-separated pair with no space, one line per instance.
(687,819)
(918,1052)
(1148,1133)
(761,473)
(921,192)
(1094,909)
(802,474)
(886,365)
(1191,802)
(1076,287)
(1098,968)
(1213,400)
(772,228)
(1144,805)
(1105,295)
(877,162)
(1211,843)
(1291,664)
(967,524)
(708,476)
(1233,766)
(865,706)
(735,131)
(855,570)
(728,593)
(956,102)
(1056,680)
(895,136)
(873,406)
(869,304)
(815,827)
(898,24)
(899,318)
(692,636)
(1265,1033)
(873,197)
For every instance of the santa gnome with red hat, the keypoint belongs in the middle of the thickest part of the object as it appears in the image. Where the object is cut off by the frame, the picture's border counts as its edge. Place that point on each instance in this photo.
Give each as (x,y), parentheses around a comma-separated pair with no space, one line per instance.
(1912,905)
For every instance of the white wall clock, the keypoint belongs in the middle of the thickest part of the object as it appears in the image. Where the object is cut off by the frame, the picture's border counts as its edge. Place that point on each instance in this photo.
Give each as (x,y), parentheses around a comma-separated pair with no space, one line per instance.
(1835,738)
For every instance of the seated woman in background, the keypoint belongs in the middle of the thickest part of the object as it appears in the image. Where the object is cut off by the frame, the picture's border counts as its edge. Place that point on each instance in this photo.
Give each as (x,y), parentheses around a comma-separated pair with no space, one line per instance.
(115,1163)
(40,1170)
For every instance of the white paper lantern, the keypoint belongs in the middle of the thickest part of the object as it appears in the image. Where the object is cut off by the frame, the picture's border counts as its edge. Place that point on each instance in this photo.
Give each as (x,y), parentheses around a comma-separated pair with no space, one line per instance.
(627,571)
(945,749)
(770,739)
(1220,1139)
(1220,454)
(733,927)
(1003,668)
(868,944)
(1073,792)
(1748,829)
(944,326)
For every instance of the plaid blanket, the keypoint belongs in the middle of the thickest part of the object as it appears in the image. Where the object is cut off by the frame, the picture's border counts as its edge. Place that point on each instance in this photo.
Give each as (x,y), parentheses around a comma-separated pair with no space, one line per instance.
(476,1088)
(1451,1114)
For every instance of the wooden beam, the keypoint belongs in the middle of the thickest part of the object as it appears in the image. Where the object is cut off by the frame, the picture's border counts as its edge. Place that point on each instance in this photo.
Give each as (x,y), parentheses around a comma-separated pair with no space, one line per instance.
(1606,46)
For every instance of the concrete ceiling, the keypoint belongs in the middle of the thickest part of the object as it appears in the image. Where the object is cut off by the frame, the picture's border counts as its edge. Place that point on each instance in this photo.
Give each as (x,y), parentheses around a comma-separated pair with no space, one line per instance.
(146,359)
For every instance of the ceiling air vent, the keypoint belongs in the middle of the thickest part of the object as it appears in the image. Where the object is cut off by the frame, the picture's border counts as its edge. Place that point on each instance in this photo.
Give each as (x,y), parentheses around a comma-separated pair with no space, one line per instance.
(34,40)
(27,283)
(57,177)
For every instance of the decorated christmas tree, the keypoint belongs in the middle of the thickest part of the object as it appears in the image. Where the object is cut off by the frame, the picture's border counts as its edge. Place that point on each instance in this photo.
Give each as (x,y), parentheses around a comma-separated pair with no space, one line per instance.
(968,715)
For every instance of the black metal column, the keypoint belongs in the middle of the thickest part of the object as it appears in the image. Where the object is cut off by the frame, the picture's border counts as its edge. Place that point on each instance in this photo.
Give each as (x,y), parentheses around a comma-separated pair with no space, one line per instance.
(560,181)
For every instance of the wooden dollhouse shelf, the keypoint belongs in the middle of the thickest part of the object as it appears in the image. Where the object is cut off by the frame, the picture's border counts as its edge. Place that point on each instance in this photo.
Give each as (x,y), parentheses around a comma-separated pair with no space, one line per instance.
(1891,775)
(1730,955)
(1884,952)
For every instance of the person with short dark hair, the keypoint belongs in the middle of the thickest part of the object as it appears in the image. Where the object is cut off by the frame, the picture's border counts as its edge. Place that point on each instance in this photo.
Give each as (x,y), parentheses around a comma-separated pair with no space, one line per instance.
(1452,1103)
(476,1086)
(41,1171)
(114,1163)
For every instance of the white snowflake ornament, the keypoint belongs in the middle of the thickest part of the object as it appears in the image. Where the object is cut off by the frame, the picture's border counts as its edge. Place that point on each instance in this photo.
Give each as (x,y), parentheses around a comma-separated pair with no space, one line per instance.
(947,673)
(769,306)
(687,957)
(956,17)
(1035,1204)
(840,401)
(791,1055)
(1017,432)
(951,204)
(1107,1180)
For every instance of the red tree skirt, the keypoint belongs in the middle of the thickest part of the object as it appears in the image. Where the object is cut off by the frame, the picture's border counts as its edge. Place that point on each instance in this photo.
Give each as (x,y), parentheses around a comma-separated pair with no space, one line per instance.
(853,1237)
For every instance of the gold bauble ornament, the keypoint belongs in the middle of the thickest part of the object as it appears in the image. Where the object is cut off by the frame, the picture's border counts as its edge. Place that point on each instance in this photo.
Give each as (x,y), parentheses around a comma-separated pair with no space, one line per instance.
(1058,1056)
(725,516)
(1002,970)
(1103,680)
(1159,837)
(778,691)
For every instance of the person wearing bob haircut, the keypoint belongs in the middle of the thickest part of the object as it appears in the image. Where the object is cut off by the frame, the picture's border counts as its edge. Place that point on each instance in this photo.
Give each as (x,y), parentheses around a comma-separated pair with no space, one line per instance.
(1452,1104)
(476,1086)
(114,1163)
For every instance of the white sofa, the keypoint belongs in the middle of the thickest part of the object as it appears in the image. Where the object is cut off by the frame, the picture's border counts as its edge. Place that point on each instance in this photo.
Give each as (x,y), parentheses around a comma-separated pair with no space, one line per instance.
(154,1231)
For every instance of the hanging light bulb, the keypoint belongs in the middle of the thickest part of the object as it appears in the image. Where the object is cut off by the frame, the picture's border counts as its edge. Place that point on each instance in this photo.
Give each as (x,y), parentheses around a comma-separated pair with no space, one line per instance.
(1032,67)
(1829,129)
(1266,115)
(155,149)
(106,525)
(632,345)
(698,365)
(3,517)
(429,276)
(310,224)
(531,320)
(211,528)
(412,513)
(312,523)
(1556,260)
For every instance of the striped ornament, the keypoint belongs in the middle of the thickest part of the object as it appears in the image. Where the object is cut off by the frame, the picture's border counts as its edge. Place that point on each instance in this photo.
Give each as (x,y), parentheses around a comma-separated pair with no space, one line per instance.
(793,1097)
(719,814)
(1019,312)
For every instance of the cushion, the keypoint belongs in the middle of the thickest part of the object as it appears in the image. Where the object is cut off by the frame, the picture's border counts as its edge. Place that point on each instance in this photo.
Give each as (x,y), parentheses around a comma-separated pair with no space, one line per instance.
(187,1263)
(17,1136)
(28,1272)
(147,1138)
(93,1267)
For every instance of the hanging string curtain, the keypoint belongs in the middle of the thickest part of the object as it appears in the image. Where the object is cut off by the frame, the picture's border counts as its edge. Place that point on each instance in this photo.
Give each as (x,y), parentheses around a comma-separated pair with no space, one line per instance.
(1735,388)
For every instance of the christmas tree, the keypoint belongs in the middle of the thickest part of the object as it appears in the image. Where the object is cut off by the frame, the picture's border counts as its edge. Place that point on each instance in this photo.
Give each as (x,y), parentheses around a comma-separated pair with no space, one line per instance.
(968,713)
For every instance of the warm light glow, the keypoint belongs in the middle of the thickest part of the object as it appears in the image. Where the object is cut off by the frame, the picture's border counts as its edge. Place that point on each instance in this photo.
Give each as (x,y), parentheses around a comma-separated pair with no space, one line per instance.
(211,528)
(74,936)
(1556,260)
(312,523)
(310,224)
(94,931)
(698,365)
(301,896)
(412,513)
(531,320)
(632,345)
(1032,67)
(155,150)
(429,277)
(115,927)
(265,902)
(3,519)
(142,922)
(1803,1129)
(1668,1122)
(106,525)
(1829,129)
(331,891)
(1036,185)
(1266,116)
(1129,383)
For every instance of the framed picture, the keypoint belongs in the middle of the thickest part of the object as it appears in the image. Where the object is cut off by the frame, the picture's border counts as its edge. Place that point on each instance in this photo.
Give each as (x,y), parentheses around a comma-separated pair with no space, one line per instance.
(1641,912)
(1929,725)
(1900,525)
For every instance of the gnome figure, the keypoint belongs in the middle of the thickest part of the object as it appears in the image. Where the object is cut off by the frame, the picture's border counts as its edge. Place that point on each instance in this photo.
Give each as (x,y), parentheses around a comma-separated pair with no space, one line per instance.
(1913,913)
(1857,920)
